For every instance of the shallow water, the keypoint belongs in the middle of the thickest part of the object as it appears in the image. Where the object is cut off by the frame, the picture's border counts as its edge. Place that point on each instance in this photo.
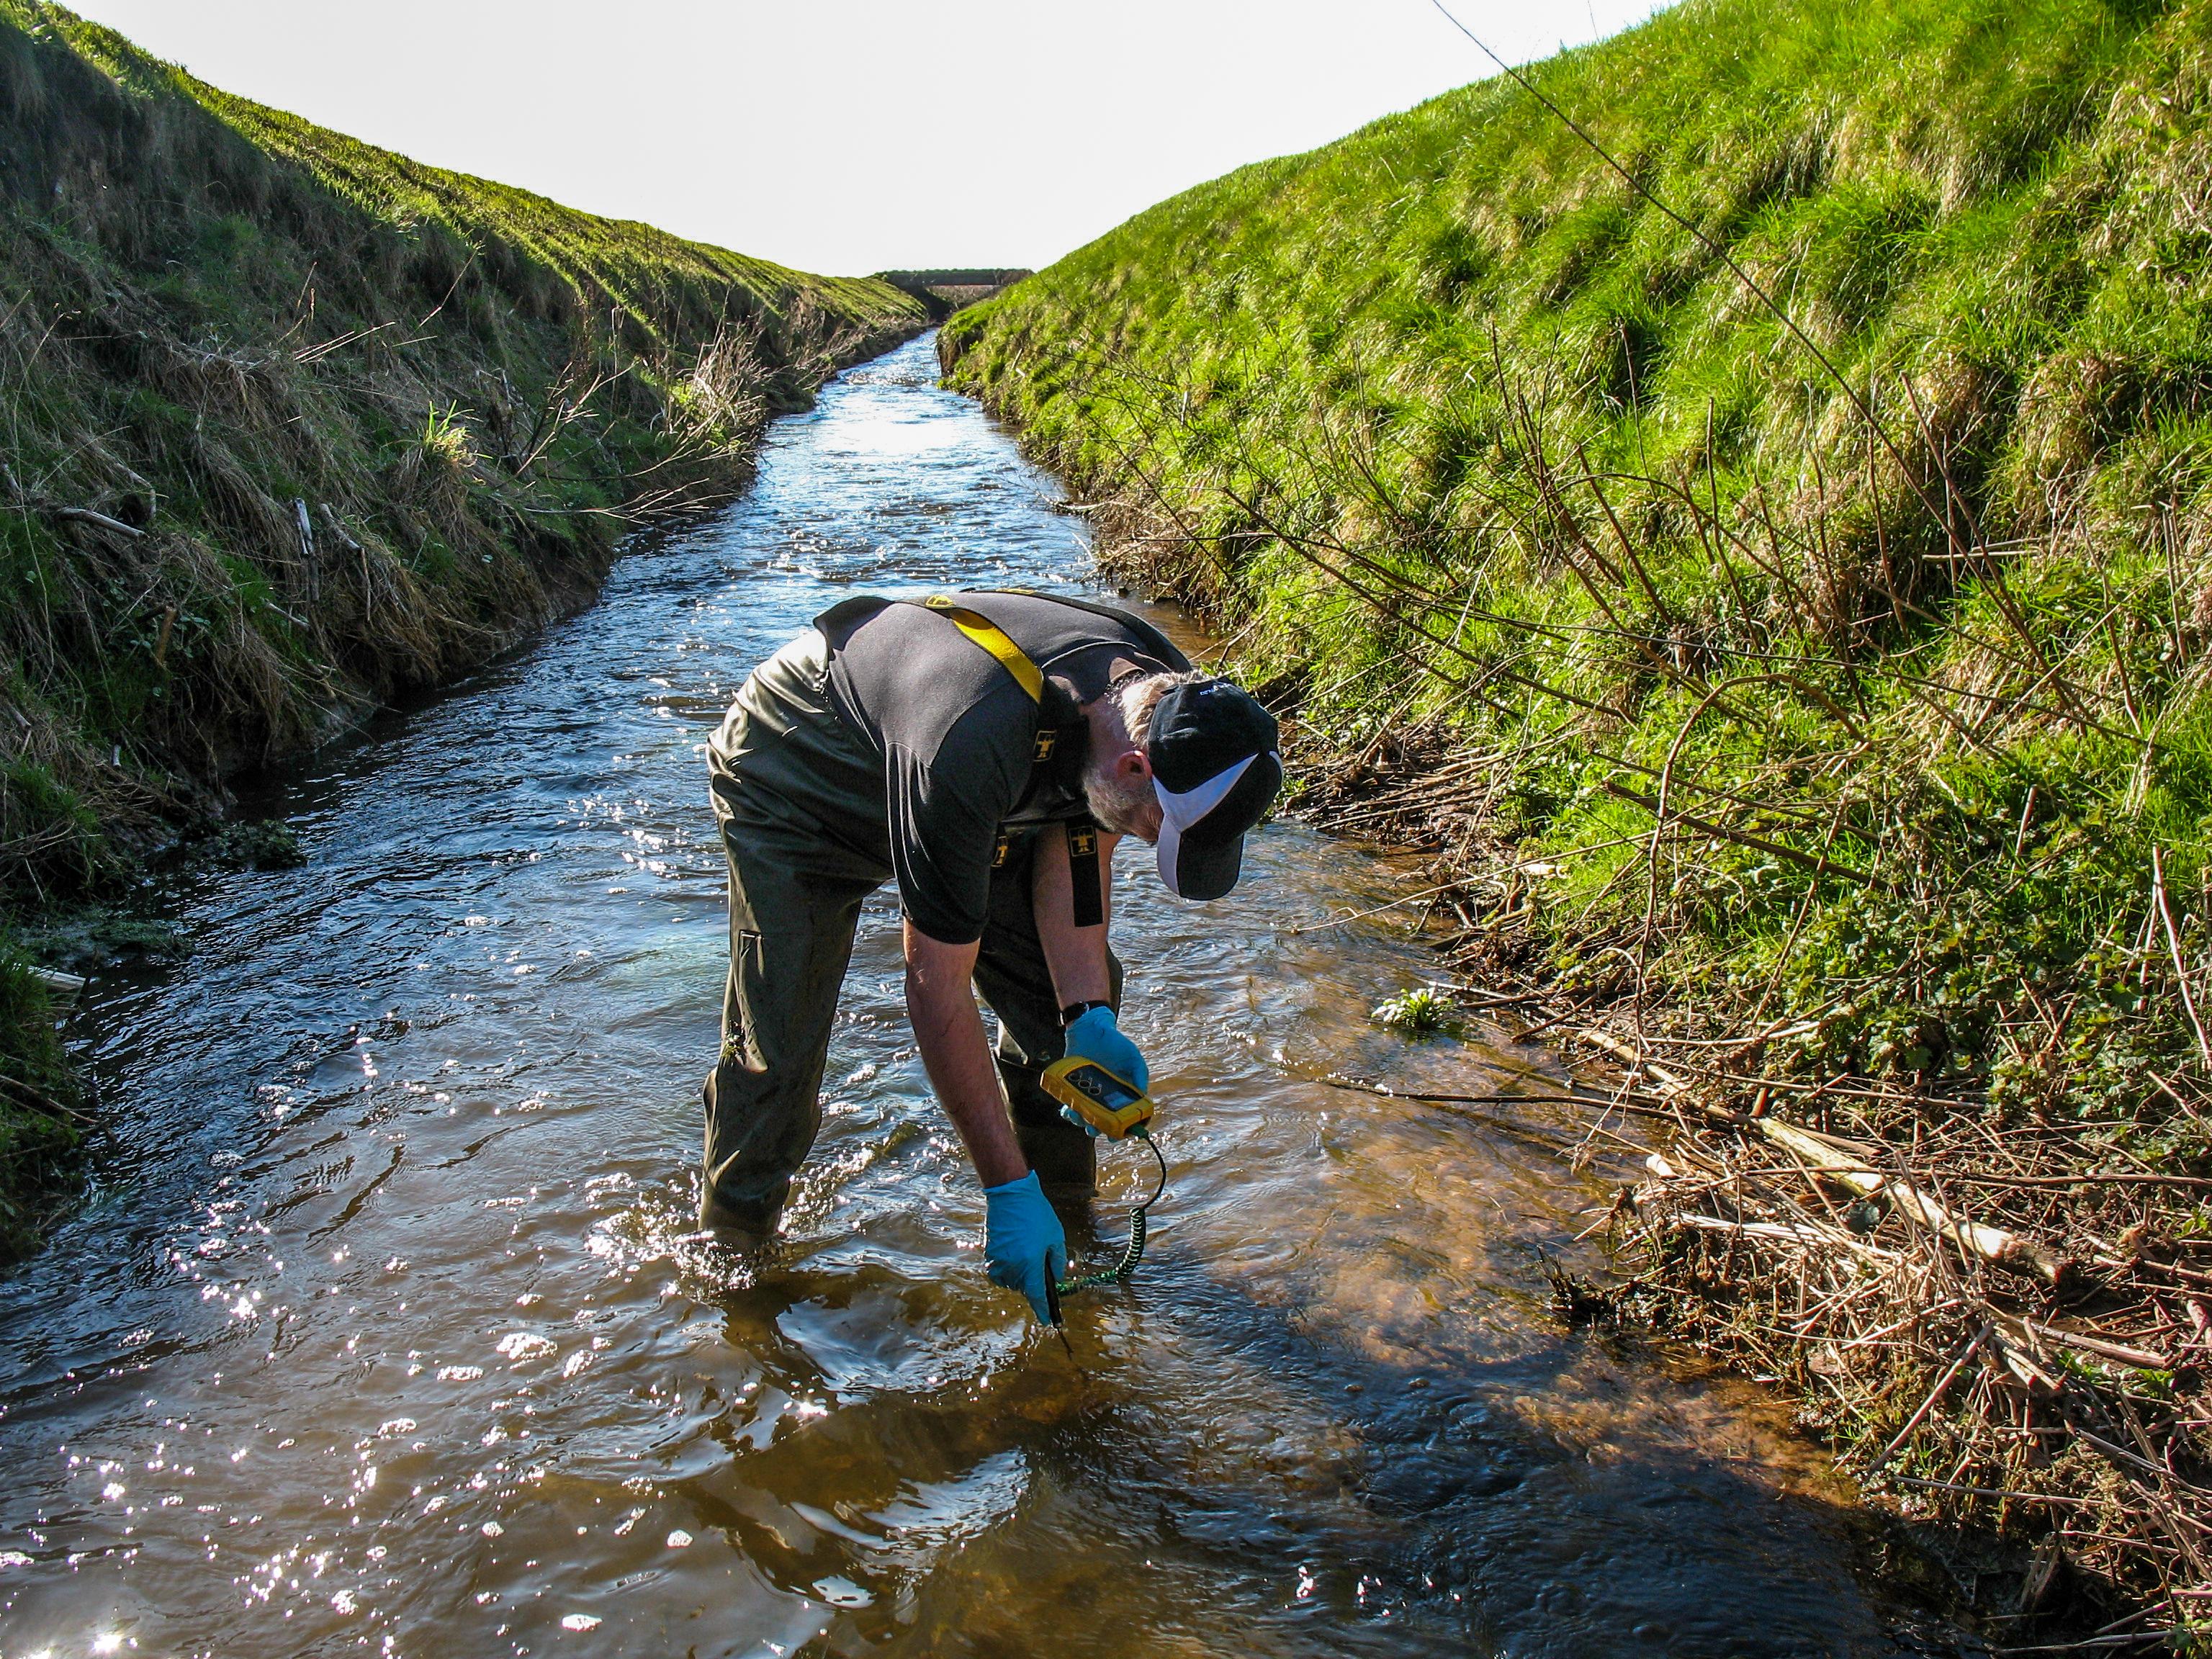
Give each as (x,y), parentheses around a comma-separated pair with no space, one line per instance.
(381,1334)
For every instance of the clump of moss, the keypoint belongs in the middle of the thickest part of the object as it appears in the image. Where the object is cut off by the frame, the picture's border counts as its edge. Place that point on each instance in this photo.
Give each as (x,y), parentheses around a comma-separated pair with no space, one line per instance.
(262,844)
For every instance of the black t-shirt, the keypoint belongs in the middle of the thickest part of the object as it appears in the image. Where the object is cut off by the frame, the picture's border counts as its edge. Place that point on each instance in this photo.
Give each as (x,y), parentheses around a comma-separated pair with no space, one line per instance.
(957,735)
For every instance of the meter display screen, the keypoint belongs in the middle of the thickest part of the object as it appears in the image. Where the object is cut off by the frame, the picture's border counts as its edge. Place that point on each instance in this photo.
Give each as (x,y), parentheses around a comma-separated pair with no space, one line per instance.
(1101,1087)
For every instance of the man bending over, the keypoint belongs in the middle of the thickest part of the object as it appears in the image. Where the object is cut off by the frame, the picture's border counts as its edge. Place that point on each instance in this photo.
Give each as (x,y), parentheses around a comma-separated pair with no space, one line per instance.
(987,750)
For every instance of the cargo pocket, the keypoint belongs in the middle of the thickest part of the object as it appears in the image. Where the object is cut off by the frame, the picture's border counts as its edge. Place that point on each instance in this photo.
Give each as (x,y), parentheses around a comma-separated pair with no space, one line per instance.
(741,1013)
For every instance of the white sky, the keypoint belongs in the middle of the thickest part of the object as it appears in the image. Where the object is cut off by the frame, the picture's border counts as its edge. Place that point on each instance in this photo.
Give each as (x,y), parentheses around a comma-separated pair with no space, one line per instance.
(850,135)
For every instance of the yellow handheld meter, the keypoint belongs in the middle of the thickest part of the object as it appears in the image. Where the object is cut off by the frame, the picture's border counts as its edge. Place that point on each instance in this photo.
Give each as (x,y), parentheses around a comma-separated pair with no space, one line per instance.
(1112,1105)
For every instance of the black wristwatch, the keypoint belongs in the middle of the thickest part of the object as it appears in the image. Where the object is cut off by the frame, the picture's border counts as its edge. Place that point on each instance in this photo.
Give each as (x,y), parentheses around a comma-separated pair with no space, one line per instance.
(1075,1010)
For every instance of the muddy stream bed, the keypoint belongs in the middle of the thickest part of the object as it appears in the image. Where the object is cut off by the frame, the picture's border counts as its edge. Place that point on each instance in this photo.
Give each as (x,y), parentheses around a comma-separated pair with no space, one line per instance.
(381,1334)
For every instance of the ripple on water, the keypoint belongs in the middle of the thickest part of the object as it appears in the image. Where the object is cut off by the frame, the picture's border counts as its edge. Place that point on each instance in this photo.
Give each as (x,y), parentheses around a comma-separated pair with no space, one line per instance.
(387,1329)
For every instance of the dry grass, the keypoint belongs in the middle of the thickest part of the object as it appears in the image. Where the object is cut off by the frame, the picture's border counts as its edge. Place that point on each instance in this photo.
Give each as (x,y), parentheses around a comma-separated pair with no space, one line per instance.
(290,425)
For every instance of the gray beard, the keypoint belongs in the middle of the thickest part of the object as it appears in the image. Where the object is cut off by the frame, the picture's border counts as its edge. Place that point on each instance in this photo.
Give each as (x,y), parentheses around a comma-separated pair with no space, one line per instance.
(1117,804)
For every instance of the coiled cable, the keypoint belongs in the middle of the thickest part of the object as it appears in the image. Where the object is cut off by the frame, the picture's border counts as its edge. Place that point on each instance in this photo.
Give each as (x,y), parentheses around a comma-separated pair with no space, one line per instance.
(1134,1251)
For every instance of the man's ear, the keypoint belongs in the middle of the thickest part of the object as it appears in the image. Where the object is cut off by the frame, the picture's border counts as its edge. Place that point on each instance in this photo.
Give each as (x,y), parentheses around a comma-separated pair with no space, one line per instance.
(1135,763)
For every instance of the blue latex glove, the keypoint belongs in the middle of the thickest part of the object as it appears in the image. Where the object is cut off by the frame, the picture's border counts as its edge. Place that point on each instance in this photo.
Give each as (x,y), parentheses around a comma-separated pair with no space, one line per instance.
(1024,1244)
(1096,1036)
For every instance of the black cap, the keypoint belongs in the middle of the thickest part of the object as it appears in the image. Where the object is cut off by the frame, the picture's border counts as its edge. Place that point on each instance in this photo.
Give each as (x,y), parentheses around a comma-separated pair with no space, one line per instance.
(1216,765)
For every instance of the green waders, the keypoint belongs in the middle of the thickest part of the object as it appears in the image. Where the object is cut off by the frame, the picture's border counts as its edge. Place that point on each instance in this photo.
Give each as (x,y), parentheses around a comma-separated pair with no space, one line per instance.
(784,770)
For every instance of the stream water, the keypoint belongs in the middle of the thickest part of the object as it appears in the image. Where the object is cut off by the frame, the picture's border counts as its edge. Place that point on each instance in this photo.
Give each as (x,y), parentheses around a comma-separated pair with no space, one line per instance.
(381,1332)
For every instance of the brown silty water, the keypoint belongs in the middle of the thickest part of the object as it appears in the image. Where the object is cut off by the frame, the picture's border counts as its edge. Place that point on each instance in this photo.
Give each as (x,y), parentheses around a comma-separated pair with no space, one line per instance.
(381,1334)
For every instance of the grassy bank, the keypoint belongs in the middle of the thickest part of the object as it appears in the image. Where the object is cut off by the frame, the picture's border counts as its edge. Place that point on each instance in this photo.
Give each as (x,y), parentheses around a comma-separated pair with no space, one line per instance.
(1760,540)
(290,425)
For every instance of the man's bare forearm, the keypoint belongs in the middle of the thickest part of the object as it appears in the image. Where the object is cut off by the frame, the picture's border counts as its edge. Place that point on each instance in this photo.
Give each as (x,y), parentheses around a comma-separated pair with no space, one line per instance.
(949,1027)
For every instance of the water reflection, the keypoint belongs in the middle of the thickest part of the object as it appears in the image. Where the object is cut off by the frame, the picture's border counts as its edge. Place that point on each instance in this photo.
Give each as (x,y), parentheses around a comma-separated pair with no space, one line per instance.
(384,1332)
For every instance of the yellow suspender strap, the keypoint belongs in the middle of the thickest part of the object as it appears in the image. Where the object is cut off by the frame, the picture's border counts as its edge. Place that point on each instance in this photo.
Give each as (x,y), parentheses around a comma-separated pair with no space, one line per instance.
(992,638)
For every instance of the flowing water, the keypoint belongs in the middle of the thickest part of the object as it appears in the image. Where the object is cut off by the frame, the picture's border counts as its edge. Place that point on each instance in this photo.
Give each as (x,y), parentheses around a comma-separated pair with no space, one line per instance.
(382,1332)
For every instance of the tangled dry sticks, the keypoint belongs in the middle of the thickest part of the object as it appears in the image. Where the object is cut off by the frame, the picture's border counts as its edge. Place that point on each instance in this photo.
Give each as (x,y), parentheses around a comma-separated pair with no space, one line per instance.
(1988,1332)
(1997,1314)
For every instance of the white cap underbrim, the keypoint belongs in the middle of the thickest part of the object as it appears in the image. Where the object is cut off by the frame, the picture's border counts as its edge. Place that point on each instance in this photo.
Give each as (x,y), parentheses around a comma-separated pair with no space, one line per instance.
(1179,812)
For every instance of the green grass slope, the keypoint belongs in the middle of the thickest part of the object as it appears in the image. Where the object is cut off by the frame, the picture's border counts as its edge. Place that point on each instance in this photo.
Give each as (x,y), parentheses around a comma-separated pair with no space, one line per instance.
(289,424)
(1790,605)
